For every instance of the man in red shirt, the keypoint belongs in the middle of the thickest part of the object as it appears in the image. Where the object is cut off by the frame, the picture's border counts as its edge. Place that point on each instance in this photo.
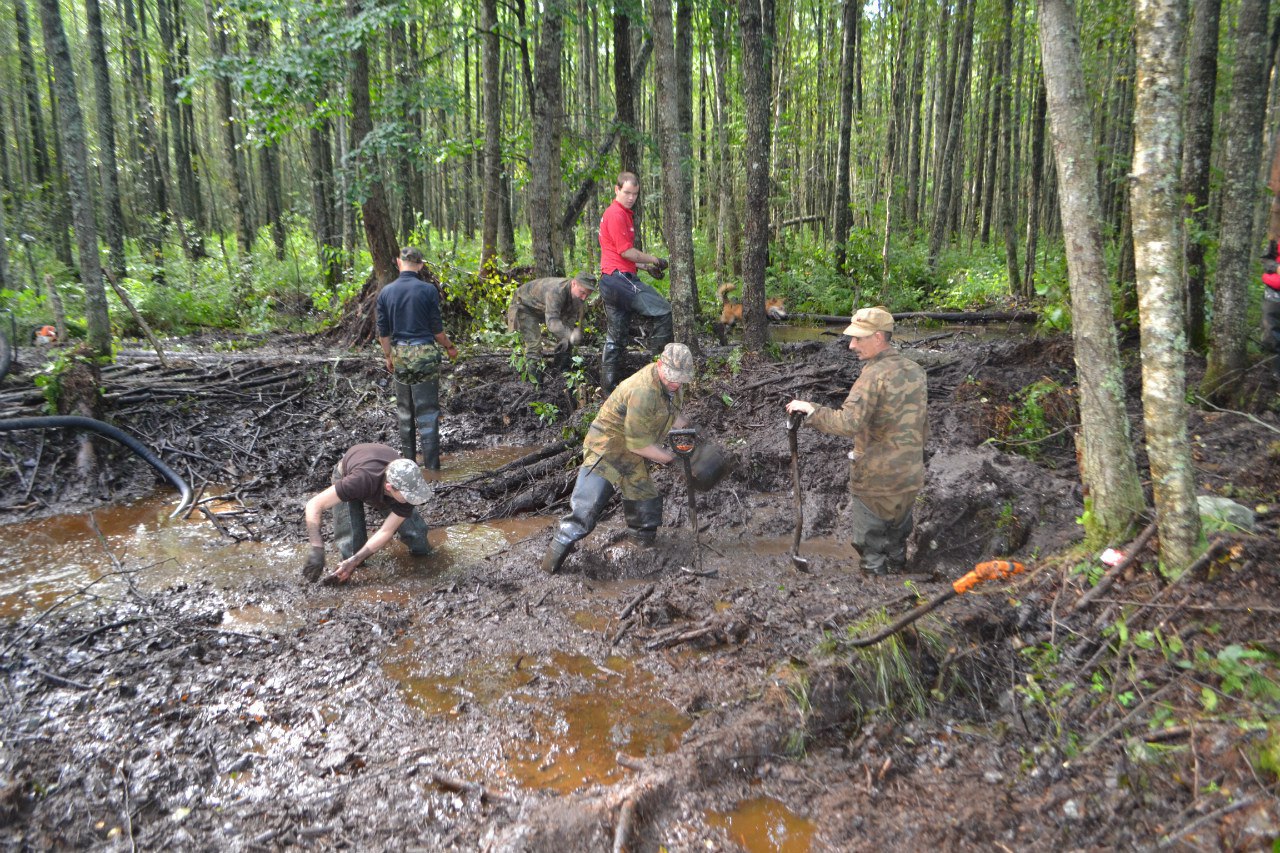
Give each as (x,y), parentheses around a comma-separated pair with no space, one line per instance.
(625,295)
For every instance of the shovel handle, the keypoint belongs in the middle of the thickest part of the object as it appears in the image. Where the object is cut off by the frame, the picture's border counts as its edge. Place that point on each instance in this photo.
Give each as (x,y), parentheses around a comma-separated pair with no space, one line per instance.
(992,570)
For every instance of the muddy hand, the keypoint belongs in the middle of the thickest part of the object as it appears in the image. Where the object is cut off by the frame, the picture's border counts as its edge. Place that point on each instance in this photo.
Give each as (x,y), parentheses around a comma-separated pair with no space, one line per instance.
(341,574)
(802,407)
(315,563)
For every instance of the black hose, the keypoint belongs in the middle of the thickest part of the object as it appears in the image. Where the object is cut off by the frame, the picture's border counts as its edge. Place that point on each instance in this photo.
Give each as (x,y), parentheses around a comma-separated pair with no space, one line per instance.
(140,449)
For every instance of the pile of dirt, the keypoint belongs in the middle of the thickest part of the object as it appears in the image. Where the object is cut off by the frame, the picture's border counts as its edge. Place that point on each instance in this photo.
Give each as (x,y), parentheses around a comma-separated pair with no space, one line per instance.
(483,708)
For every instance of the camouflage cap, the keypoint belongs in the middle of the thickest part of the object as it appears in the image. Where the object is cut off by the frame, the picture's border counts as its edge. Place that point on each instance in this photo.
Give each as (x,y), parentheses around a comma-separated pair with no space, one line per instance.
(677,363)
(411,255)
(587,280)
(868,321)
(405,476)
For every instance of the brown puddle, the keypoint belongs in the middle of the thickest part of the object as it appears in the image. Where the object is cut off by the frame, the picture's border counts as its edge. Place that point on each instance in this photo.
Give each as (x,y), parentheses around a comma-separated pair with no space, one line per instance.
(469,463)
(764,825)
(574,738)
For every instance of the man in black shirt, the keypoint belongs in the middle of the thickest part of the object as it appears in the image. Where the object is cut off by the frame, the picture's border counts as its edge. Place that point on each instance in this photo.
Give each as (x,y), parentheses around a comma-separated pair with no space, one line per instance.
(367,474)
(412,333)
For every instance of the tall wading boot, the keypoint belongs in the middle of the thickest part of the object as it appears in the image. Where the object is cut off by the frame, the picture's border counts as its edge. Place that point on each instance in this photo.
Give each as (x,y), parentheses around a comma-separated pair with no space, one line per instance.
(614,353)
(426,416)
(643,519)
(349,531)
(591,493)
(404,419)
(413,533)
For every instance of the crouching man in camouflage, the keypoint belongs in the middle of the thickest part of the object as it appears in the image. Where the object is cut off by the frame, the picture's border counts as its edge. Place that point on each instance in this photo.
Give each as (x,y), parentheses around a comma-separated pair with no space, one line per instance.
(884,414)
(367,474)
(556,302)
(624,438)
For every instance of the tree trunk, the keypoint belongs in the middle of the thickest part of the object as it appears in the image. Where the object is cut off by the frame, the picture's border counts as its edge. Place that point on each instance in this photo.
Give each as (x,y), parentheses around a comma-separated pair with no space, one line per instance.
(1008,198)
(1236,274)
(840,218)
(492,133)
(950,162)
(628,149)
(268,154)
(755,20)
(358,322)
(1202,84)
(676,199)
(153,204)
(547,103)
(728,255)
(1156,205)
(230,147)
(112,213)
(324,196)
(76,151)
(1108,469)
(188,192)
(1035,191)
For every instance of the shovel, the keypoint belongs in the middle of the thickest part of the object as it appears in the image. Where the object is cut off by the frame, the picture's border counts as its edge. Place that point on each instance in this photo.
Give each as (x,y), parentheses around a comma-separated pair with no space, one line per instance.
(793,428)
(682,445)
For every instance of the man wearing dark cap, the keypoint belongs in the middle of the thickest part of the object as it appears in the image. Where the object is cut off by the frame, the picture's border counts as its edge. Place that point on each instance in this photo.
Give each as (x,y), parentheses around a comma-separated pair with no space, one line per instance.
(412,333)
(625,295)
(885,415)
(370,474)
(625,437)
(557,303)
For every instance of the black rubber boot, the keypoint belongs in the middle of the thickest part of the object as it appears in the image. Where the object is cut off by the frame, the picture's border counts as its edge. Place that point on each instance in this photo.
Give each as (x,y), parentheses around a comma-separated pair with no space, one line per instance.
(426,417)
(643,519)
(614,353)
(349,530)
(413,533)
(554,558)
(404,420)
(591,494)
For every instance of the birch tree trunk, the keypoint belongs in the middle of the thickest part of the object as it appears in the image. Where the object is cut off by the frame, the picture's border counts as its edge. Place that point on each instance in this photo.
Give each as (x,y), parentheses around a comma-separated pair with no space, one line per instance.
(1156,205)
(1108,469)
(112,212)
(677,221)
(840,212)
(76,151)
(1237,274)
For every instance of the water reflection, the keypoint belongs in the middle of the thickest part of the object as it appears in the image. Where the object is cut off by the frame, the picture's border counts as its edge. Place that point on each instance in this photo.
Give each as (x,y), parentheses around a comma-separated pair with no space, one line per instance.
(764,825)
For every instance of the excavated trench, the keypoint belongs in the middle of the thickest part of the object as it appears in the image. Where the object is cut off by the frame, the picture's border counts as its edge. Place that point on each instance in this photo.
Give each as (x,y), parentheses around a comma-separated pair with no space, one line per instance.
(176,683)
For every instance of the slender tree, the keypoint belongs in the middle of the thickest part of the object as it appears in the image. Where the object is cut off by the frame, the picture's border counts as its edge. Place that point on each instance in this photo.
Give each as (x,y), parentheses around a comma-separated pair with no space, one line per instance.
(1108,469)
(1240,191)
(492,87)
(112,212)
(546,102)
(71,130)
(1158,239)
(756,24)
(840,218)
(676,200)
(1202,87)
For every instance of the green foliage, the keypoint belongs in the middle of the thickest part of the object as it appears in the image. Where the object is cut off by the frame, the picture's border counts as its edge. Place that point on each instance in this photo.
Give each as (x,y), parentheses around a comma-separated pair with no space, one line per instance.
(892,671)
(1039,413)
(1042,690)
(548,413)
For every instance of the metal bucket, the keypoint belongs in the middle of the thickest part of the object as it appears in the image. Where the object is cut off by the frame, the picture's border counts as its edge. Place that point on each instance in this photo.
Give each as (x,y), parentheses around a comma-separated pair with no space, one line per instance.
(709,464)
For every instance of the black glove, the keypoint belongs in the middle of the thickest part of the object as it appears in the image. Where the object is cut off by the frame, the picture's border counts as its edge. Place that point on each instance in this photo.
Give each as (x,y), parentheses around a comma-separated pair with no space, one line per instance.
(315,563)
(659,269)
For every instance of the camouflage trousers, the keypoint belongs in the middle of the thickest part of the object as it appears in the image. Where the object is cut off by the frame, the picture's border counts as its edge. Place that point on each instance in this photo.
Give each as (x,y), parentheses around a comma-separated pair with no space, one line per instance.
(628,473)
(881,543)
(416,363)
(529,324)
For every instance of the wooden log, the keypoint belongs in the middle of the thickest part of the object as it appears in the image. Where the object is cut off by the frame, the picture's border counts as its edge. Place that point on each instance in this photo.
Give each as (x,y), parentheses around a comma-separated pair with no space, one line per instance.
(943,316)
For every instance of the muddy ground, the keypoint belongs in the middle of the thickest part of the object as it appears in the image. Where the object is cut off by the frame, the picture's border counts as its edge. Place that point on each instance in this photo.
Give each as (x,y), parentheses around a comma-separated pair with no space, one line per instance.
(425,709)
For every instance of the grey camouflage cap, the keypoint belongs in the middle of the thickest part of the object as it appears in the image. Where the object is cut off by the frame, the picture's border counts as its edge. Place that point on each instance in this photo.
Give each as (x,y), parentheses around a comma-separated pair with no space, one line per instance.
(405,476)
(677,363)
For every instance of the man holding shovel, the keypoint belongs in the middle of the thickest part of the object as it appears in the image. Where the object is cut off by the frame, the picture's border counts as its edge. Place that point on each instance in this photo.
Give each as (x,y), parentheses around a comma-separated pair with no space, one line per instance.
(885,415)
(624,438)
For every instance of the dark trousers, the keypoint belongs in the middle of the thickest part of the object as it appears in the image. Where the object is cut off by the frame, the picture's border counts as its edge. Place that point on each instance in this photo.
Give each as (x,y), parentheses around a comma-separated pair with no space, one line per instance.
(627,297)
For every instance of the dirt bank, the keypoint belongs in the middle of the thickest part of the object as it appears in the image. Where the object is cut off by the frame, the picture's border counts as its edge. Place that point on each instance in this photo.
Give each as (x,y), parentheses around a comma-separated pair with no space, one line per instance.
(485,706)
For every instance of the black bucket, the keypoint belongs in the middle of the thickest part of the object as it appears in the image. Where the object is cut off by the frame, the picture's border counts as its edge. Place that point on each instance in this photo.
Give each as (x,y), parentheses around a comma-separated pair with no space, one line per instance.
(708,465)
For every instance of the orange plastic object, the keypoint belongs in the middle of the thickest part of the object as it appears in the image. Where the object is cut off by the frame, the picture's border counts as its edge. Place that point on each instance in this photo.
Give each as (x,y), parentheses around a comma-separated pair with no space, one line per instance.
(991,570)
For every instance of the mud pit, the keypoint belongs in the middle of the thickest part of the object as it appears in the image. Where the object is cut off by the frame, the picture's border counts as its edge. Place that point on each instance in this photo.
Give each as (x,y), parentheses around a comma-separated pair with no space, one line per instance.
(469,701)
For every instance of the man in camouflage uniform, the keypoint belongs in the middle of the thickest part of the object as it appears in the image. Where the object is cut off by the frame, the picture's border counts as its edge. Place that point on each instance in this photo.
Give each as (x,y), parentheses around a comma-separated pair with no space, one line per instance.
(411,333)
(556,302)
(626,436)
(884,414)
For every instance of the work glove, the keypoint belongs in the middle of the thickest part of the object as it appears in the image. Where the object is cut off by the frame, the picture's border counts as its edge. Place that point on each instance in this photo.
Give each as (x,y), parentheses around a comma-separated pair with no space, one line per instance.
(575,337)
(315,563)
(659,269)
(562,346)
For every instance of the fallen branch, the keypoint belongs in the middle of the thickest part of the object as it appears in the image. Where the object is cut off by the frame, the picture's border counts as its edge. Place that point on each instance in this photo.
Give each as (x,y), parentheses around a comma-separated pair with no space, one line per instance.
(1131,554)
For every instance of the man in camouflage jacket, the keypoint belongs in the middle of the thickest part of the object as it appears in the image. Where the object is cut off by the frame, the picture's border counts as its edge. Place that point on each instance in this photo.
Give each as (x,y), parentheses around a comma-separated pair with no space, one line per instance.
(555,302)
(884,414)
(626,436)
